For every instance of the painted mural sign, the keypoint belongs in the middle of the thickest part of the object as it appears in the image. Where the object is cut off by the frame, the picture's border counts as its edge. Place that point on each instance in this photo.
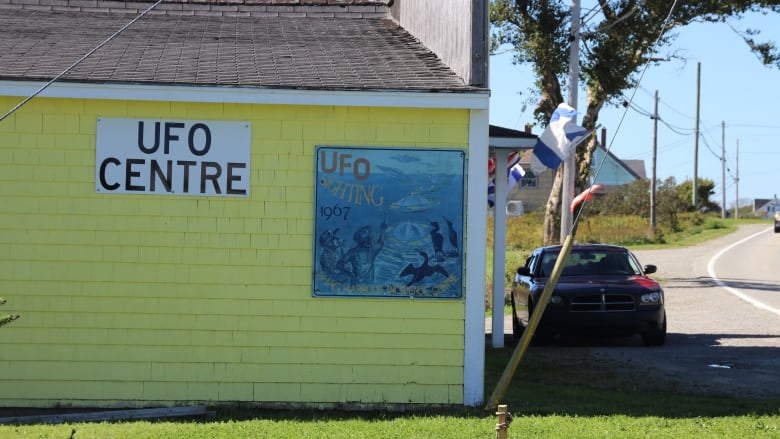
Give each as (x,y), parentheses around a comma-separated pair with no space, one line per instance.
(143,156)
(388,222)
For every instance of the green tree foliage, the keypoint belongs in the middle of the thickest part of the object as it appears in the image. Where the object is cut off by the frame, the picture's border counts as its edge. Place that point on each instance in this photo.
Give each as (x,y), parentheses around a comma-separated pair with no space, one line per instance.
(620,37)
(633,199)
(669,204)
(630,199)
(704,188)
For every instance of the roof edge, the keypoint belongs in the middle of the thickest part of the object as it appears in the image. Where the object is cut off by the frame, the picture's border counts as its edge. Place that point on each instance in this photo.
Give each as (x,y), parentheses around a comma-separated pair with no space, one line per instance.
(249,8)
(472,100)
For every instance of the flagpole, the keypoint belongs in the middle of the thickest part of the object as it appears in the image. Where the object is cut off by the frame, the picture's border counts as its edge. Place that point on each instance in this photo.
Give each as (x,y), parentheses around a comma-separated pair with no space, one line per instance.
(570,160)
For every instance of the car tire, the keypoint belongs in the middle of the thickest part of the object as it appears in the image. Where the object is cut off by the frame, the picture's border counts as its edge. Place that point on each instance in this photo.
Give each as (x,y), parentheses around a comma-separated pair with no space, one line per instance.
(517,326)
(540,337)
(656,337)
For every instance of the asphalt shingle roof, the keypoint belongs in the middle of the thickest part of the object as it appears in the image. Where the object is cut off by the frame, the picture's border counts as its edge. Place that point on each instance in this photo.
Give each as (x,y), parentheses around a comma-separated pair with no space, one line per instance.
(276,52)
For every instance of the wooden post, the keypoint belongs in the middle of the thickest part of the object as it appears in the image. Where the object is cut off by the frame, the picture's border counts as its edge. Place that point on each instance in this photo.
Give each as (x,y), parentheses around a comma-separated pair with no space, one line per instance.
(533,322)
(502,424)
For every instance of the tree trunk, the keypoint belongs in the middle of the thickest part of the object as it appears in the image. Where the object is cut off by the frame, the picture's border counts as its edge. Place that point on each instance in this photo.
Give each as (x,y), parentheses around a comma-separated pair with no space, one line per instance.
(552,213)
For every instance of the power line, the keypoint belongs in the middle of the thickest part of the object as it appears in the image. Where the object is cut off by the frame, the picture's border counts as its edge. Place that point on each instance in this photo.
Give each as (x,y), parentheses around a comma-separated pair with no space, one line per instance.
(678,130)
(681,131)
(639,109)
(80,60)
(707,144)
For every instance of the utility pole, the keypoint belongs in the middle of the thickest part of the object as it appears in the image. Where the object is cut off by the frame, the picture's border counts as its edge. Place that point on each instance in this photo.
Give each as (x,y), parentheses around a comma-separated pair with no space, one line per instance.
(723,167)
(736,184)
(570,161)
(696,139)
(655,148)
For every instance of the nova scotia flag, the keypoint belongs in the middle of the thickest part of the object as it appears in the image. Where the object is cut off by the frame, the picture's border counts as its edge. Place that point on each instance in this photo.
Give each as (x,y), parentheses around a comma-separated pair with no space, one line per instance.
(515,173)
(557,140)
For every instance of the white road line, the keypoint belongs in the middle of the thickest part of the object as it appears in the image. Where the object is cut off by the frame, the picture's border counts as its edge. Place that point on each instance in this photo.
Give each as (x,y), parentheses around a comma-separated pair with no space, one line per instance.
(745,297)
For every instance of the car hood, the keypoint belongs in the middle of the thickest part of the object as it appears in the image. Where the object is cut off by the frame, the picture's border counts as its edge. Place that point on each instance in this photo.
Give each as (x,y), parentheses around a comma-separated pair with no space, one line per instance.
(604,284)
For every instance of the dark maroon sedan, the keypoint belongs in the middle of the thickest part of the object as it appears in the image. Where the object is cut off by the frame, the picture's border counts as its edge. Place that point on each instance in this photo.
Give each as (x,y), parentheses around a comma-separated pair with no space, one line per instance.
(603,291)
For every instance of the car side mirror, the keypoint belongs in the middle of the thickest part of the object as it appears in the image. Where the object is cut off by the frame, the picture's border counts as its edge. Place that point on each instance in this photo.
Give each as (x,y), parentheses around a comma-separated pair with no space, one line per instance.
(650,269)
(524,271)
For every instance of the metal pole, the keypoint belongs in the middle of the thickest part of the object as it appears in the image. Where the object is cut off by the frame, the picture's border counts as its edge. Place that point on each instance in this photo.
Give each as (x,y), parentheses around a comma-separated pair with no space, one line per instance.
(736,184)
(723,167)
(696,138)
(570,161)
(655,149)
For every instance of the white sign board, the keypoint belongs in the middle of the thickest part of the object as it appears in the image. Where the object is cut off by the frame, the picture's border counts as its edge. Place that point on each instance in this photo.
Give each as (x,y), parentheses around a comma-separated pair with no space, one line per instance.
(166,157)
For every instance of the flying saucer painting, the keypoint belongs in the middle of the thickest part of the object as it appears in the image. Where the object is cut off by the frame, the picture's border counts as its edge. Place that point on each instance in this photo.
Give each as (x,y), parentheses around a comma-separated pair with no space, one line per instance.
(414,203)
(409,231)
(388,222)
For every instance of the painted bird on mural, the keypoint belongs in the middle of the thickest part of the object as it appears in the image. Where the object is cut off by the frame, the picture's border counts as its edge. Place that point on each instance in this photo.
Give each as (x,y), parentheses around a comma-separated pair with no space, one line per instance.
(423,271)
(438,242)
(453,237)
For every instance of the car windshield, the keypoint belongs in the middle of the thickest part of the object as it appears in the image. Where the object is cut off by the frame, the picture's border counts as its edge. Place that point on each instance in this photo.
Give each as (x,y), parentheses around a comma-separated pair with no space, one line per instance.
(588,262)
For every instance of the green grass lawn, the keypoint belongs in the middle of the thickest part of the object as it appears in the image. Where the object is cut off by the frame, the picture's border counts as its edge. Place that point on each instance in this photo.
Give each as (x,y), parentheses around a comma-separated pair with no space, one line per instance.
(547,400)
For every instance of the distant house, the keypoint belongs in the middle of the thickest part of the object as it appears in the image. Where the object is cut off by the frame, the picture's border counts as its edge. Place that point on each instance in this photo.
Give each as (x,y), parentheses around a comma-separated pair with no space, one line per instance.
(534,190)
(612,173)
(765,207)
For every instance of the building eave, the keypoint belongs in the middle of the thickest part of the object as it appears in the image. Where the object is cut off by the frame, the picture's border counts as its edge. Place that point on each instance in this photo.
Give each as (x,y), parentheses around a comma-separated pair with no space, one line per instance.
(473,100)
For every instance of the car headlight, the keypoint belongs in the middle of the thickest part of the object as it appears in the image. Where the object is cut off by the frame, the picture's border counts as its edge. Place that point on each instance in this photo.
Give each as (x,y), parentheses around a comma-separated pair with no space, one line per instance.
(654,298)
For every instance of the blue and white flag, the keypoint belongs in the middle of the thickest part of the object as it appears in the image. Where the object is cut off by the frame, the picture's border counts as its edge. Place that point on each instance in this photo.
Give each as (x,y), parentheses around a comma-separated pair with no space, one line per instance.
(558,139)
(515,172)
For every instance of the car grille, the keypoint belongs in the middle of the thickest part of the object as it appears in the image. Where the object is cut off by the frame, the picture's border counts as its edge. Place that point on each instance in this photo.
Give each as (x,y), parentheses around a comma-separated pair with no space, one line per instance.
(602,303)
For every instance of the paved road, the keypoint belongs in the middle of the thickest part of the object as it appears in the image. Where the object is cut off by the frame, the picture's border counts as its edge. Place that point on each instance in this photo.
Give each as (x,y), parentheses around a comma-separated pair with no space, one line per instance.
(723,311)
(723,307)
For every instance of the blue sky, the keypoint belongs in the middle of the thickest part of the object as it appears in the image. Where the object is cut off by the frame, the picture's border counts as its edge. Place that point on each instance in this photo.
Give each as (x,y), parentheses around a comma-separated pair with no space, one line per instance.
(735,88)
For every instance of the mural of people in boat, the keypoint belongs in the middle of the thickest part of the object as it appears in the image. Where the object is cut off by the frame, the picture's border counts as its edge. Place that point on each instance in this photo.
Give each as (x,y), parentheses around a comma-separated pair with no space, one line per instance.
(388,222)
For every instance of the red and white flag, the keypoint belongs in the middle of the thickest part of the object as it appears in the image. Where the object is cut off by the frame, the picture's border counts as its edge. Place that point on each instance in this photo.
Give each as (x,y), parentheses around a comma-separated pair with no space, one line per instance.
(515,172)
(587,195)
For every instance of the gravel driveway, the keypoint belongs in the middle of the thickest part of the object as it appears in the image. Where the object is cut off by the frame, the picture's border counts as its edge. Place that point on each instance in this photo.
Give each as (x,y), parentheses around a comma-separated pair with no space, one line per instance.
(717,343)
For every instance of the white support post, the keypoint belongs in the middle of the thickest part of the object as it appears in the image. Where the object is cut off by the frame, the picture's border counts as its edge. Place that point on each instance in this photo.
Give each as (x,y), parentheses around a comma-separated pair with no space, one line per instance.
(499,247)
(476,232)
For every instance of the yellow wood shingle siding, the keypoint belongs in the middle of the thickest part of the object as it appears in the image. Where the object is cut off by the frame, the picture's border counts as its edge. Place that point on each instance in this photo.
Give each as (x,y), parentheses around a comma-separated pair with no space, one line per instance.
(139,299)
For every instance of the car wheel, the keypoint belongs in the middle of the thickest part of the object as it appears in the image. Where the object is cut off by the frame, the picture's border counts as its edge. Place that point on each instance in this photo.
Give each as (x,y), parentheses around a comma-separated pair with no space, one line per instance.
(517,325)
(540,337)
(777,228)
(656,337)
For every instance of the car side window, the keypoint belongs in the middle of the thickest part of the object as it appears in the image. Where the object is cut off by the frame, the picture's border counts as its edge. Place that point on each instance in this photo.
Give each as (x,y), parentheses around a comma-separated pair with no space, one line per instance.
(531,263)
(547,264)
(636,267)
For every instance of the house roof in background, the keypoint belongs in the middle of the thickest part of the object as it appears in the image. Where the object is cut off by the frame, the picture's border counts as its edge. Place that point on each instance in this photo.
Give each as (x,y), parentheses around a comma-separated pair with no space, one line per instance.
(506,138)
(634,167)
(637,167)
(497,131)
(763,204)
(299,49)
